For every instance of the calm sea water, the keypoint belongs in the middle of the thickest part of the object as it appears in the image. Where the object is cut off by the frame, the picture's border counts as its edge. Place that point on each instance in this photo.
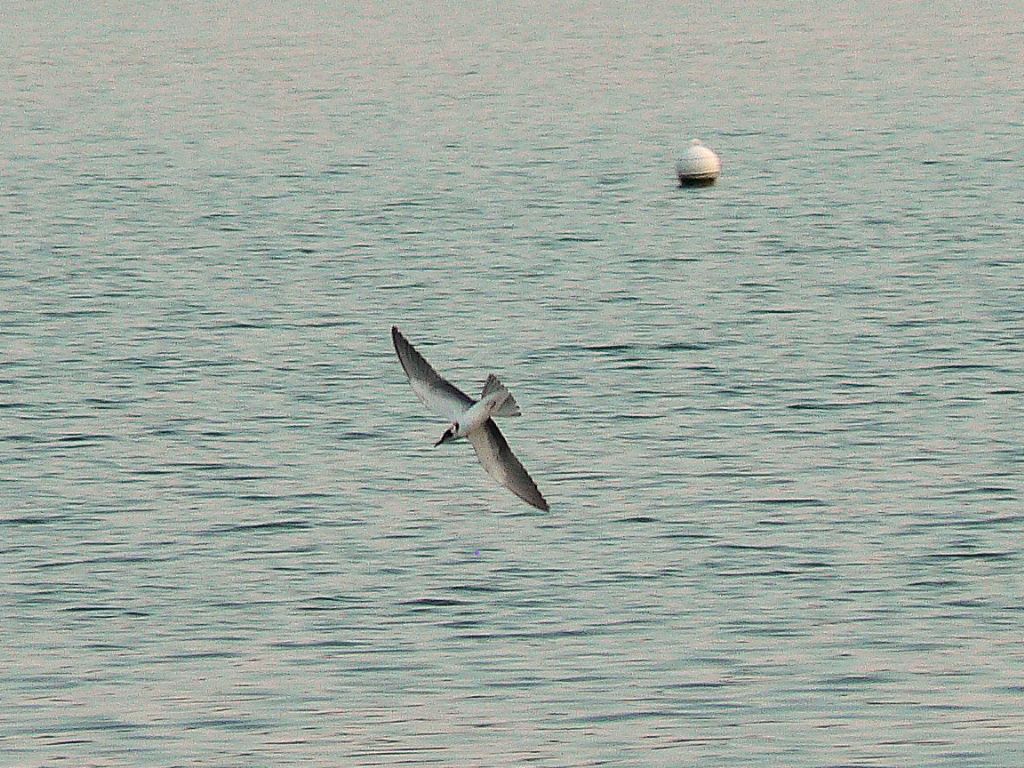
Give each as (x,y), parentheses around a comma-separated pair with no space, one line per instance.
(778,419)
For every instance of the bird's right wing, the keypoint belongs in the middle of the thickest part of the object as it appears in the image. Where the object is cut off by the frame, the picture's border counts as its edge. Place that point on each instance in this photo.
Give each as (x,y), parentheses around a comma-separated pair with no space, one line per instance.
(440,396)
(501,464)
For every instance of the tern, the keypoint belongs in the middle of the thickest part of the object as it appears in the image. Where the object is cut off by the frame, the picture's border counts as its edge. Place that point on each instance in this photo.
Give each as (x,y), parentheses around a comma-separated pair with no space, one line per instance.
(471,419)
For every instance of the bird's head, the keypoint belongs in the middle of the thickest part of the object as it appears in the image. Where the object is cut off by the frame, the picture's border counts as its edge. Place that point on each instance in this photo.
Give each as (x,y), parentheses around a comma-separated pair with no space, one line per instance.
(449,434)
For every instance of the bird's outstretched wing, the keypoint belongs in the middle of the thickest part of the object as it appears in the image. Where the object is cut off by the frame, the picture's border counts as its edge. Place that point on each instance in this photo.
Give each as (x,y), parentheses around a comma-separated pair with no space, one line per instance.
(439,395)
(501,464)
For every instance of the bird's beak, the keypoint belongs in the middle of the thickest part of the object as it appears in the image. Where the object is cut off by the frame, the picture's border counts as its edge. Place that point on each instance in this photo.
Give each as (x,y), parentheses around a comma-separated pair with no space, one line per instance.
(446,436)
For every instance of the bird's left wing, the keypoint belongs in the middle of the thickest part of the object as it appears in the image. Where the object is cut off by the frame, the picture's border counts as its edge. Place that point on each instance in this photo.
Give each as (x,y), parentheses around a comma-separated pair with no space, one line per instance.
(439,395)
(501,464)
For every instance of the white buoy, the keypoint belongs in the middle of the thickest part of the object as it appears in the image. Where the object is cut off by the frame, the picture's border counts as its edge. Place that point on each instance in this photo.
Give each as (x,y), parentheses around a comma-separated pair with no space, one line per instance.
(698,166)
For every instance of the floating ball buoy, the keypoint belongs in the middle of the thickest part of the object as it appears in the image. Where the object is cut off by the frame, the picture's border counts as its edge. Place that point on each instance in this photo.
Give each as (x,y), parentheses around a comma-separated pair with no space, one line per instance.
(698,166)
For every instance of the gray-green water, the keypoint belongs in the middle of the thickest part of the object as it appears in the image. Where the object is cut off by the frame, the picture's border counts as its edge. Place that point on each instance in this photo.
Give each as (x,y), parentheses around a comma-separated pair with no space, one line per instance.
(778,420)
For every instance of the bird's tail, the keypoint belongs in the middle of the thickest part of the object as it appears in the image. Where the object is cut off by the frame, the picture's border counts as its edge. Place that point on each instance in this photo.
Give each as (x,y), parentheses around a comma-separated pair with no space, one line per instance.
(509,406)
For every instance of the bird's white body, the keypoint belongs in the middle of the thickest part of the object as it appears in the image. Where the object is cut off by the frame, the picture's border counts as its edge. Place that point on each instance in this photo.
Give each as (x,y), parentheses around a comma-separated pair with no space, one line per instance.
(478,413)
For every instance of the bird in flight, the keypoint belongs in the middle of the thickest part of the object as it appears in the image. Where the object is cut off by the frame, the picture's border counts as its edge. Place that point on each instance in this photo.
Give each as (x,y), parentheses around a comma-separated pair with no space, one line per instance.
(471,419)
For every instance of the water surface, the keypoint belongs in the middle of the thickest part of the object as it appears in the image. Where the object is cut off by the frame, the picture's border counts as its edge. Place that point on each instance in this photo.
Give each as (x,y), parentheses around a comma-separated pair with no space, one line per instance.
(777,419)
